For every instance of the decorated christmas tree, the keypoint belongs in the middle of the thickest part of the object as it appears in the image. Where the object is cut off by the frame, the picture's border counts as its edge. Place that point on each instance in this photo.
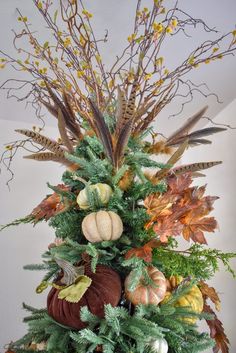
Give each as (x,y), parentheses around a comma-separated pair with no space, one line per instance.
(117,280)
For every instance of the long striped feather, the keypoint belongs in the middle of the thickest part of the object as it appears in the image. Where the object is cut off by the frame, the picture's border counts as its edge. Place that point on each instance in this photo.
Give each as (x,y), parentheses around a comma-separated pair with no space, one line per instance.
(102,130)
(122,142)
(172,160)
(42,140)
(194,167)
(75,129)
(121,105)
(67,117)
(130,108)
(63,133)
(47,157)
(188,125)
(196,136)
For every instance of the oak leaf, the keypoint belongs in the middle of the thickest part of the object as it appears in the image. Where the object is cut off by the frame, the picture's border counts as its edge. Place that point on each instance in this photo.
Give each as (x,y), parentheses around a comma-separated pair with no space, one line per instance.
(217,332)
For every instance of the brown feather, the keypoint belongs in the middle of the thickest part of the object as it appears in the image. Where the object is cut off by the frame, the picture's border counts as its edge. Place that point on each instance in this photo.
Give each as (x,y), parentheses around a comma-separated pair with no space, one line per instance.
(121,105)
(63,133)
(188,125)
(195,137)
(75,129)
(172,160)
(102,130)
(130,107)
(67,117)
(42,140)
(122,142)
(48,156)
(194,167)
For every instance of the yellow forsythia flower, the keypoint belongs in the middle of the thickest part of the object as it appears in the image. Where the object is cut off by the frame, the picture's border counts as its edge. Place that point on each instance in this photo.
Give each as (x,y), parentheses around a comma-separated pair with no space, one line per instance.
(87,14)
(174,22)
(157,27)
(169,29)
(131,37)
(147,77)
(40,5)
(80,73)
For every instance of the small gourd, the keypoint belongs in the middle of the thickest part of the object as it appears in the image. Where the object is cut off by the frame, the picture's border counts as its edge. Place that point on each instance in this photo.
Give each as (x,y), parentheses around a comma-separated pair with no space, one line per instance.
(104,191)
(159,346)
(102,226)
(147,293)
(193,299)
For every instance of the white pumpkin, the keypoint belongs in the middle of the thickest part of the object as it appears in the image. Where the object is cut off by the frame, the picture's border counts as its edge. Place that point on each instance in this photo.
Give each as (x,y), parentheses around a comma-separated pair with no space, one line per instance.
(102,226)
(104,191)
(159,346)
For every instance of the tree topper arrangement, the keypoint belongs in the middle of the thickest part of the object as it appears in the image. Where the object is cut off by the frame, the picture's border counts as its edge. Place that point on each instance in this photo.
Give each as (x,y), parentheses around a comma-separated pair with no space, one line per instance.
(119,282)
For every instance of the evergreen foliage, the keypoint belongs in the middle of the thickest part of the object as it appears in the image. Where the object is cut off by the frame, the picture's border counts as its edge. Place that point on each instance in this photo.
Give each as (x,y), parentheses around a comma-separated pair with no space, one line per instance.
(107,145)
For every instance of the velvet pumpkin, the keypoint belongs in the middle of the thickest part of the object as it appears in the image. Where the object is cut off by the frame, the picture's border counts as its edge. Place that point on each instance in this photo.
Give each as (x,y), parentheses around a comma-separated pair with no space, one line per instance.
(147,293)
(104,289)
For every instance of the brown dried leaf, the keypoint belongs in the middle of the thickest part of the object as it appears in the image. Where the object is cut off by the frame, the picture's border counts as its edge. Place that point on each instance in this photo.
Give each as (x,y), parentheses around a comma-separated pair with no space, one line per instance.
(217,332)
(165,227)
(159,205)
(210,292)
(144,252)
(177,184)
(195,224)
(50,206)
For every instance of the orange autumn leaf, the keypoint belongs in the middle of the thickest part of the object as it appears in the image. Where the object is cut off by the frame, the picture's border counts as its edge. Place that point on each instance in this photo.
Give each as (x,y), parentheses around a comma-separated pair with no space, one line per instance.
(217,332)
(159,205)
(210,293)
(177,184)
(50,206)
(144,252)
(166,227)
(195,224)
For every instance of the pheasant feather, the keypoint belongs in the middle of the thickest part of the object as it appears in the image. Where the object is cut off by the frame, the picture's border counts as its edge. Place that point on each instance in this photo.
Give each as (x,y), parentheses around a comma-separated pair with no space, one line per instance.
(102,131)
(44,141)
(172,160)
(74,128)
(194,167)
(183,131)
(122,142)
(195,137)
(63,133)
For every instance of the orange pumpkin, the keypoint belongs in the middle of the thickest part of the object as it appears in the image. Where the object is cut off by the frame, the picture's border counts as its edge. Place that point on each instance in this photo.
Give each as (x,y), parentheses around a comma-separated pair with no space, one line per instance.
(147,293)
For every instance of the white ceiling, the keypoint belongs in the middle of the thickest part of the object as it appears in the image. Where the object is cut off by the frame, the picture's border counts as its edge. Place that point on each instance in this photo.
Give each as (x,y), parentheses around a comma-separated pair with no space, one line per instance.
(117,17)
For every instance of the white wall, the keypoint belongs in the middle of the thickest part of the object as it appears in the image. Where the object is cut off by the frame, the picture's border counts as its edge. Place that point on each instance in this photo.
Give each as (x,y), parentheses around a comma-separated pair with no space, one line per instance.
(24,244)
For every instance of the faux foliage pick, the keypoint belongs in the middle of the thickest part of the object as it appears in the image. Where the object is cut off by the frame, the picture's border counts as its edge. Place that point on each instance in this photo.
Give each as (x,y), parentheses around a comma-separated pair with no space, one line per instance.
(119,283)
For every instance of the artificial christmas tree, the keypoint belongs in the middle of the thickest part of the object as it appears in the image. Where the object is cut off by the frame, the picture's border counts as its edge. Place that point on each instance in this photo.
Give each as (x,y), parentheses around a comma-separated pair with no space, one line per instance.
(118,282)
